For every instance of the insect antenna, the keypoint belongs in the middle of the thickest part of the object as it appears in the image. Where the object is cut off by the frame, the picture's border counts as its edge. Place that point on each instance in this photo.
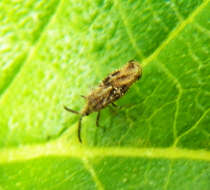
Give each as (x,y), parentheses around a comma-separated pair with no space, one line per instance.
(83,96)
(70,110)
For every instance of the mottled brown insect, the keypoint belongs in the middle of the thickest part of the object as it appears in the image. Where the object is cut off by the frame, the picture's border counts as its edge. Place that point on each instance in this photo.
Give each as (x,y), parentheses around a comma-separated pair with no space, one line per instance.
(109,90)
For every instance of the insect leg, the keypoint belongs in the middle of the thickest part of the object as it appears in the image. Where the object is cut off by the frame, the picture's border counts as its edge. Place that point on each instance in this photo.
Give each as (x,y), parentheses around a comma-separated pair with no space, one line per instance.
(79,129)
(70,110)
(97,119)
(114,105)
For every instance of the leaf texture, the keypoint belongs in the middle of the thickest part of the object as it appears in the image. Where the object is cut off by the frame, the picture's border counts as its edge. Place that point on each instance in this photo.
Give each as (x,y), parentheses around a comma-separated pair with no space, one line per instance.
(54,51)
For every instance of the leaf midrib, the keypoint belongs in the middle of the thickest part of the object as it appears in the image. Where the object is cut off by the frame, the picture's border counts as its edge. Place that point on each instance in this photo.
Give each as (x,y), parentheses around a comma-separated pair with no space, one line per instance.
(64,148)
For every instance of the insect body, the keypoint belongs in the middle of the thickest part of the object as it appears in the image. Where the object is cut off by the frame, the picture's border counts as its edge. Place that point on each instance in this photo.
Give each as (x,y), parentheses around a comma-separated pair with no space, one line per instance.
(109,90)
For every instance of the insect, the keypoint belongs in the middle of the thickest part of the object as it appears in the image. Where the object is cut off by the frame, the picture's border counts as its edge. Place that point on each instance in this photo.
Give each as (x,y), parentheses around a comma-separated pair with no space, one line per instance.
(114,86)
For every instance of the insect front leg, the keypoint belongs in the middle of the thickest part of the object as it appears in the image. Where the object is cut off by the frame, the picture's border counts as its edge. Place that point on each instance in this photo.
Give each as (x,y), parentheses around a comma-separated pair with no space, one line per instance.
(79,129)
(80,121)
(97,119)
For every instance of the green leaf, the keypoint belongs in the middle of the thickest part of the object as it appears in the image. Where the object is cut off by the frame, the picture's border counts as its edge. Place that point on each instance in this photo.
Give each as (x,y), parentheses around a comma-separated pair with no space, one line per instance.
(52,52)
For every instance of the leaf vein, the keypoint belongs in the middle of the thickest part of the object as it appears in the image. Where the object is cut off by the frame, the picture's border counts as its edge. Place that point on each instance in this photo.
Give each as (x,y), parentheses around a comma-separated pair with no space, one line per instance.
(30,52)
(93,174)
(202,29)
(169,175)
(193,127)
(174,7)
(128,31)
(180,92)
(174,33)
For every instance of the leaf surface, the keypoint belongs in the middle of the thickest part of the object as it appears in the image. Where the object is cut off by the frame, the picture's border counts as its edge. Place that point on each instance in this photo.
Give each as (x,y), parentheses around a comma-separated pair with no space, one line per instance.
(53,52)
